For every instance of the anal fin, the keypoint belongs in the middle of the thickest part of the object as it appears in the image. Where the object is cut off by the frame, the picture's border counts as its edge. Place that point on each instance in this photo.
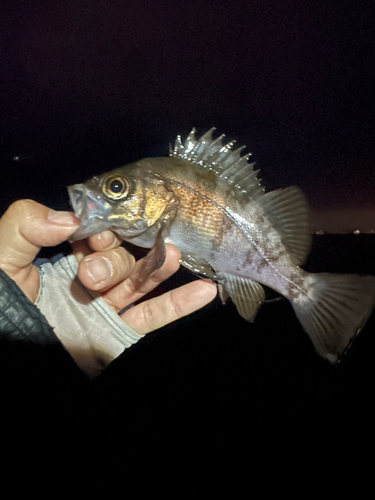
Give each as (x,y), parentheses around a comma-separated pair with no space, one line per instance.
(247,295)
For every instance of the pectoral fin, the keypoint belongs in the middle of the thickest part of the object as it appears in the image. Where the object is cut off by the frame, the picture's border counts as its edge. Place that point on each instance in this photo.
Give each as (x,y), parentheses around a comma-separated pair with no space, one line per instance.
(153,260)
(246,294)
(156,256)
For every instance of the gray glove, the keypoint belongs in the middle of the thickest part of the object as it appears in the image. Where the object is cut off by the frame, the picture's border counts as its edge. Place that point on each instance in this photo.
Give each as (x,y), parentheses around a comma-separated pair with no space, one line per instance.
(87,326)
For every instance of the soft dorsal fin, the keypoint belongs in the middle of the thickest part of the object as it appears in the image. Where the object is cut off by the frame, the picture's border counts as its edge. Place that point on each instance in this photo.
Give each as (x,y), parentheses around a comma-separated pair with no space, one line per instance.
(289,213)
(223,159)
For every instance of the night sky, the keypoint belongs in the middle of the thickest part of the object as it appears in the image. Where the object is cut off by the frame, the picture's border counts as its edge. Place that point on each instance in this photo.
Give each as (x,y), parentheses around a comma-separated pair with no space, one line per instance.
(89,85)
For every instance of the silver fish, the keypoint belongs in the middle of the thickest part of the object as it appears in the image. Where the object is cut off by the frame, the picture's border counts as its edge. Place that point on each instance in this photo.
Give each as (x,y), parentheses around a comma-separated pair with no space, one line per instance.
(207,200)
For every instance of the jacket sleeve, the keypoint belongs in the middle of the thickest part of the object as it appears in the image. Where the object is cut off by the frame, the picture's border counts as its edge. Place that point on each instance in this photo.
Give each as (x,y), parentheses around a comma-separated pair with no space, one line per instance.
(28,345)
(43,392)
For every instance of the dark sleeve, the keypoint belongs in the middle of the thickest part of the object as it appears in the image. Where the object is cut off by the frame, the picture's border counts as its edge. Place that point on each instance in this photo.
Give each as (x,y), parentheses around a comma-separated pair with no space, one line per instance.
(41,386)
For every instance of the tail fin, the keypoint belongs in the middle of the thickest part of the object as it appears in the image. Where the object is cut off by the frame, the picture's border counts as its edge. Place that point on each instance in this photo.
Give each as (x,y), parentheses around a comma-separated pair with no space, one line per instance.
(338,308)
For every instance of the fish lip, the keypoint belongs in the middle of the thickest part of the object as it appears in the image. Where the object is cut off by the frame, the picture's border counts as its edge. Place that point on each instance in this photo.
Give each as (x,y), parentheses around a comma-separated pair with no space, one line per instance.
(86,206)
(91,209)
(76,195)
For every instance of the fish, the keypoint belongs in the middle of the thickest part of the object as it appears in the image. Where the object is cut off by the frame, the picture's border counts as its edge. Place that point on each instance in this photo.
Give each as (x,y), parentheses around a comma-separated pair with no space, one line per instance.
(206,199)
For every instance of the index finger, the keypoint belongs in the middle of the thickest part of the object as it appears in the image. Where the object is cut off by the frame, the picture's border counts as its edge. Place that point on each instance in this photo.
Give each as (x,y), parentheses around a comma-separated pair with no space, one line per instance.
(27,226)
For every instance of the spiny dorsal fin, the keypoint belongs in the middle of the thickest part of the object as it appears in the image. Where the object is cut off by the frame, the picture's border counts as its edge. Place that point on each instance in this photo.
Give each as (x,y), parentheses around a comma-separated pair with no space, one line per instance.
(221,158)
(289,213)
(247,295)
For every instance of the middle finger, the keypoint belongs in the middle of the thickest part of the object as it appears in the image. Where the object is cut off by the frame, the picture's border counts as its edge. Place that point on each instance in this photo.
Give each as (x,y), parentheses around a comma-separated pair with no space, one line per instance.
(100,271)
(130,290)
(104,241)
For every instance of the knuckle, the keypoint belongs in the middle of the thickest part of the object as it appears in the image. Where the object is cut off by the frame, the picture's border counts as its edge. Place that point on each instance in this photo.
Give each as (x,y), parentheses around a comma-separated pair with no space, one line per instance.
(148,315)
(103,241)
(122,263)
(20,207)
(174,305)
(124,259)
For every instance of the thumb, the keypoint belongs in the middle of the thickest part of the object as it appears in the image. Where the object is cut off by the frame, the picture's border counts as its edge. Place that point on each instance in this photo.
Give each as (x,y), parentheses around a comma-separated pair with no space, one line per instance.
(27,226)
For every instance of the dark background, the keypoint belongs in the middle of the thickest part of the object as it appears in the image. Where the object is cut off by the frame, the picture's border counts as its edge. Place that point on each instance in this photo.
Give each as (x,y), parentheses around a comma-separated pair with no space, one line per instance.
(86,86)
(92,83)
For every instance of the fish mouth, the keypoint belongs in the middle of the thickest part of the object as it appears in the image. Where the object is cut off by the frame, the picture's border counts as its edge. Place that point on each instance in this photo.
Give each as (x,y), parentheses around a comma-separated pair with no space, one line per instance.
(84,204)
(90,209)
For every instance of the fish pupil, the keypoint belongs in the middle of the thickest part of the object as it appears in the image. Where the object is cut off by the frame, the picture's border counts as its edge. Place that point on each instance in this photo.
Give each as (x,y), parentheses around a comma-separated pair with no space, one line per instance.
(116,186)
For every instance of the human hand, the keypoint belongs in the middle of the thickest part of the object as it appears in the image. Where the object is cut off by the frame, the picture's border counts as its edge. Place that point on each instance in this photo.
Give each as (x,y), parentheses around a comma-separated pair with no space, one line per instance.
(27,226)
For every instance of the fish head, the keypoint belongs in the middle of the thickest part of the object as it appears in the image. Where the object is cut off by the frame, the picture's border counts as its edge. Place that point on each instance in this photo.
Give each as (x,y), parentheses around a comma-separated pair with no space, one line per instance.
(128,200)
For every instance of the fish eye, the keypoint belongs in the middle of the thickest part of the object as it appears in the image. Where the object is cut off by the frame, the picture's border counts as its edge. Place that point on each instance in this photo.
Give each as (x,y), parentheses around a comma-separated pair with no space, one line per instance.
(116,187)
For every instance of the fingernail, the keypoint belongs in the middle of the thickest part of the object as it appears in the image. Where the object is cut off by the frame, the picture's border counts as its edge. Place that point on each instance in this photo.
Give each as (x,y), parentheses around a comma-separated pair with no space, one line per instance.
(99,269)
(63,218)
(107,238)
